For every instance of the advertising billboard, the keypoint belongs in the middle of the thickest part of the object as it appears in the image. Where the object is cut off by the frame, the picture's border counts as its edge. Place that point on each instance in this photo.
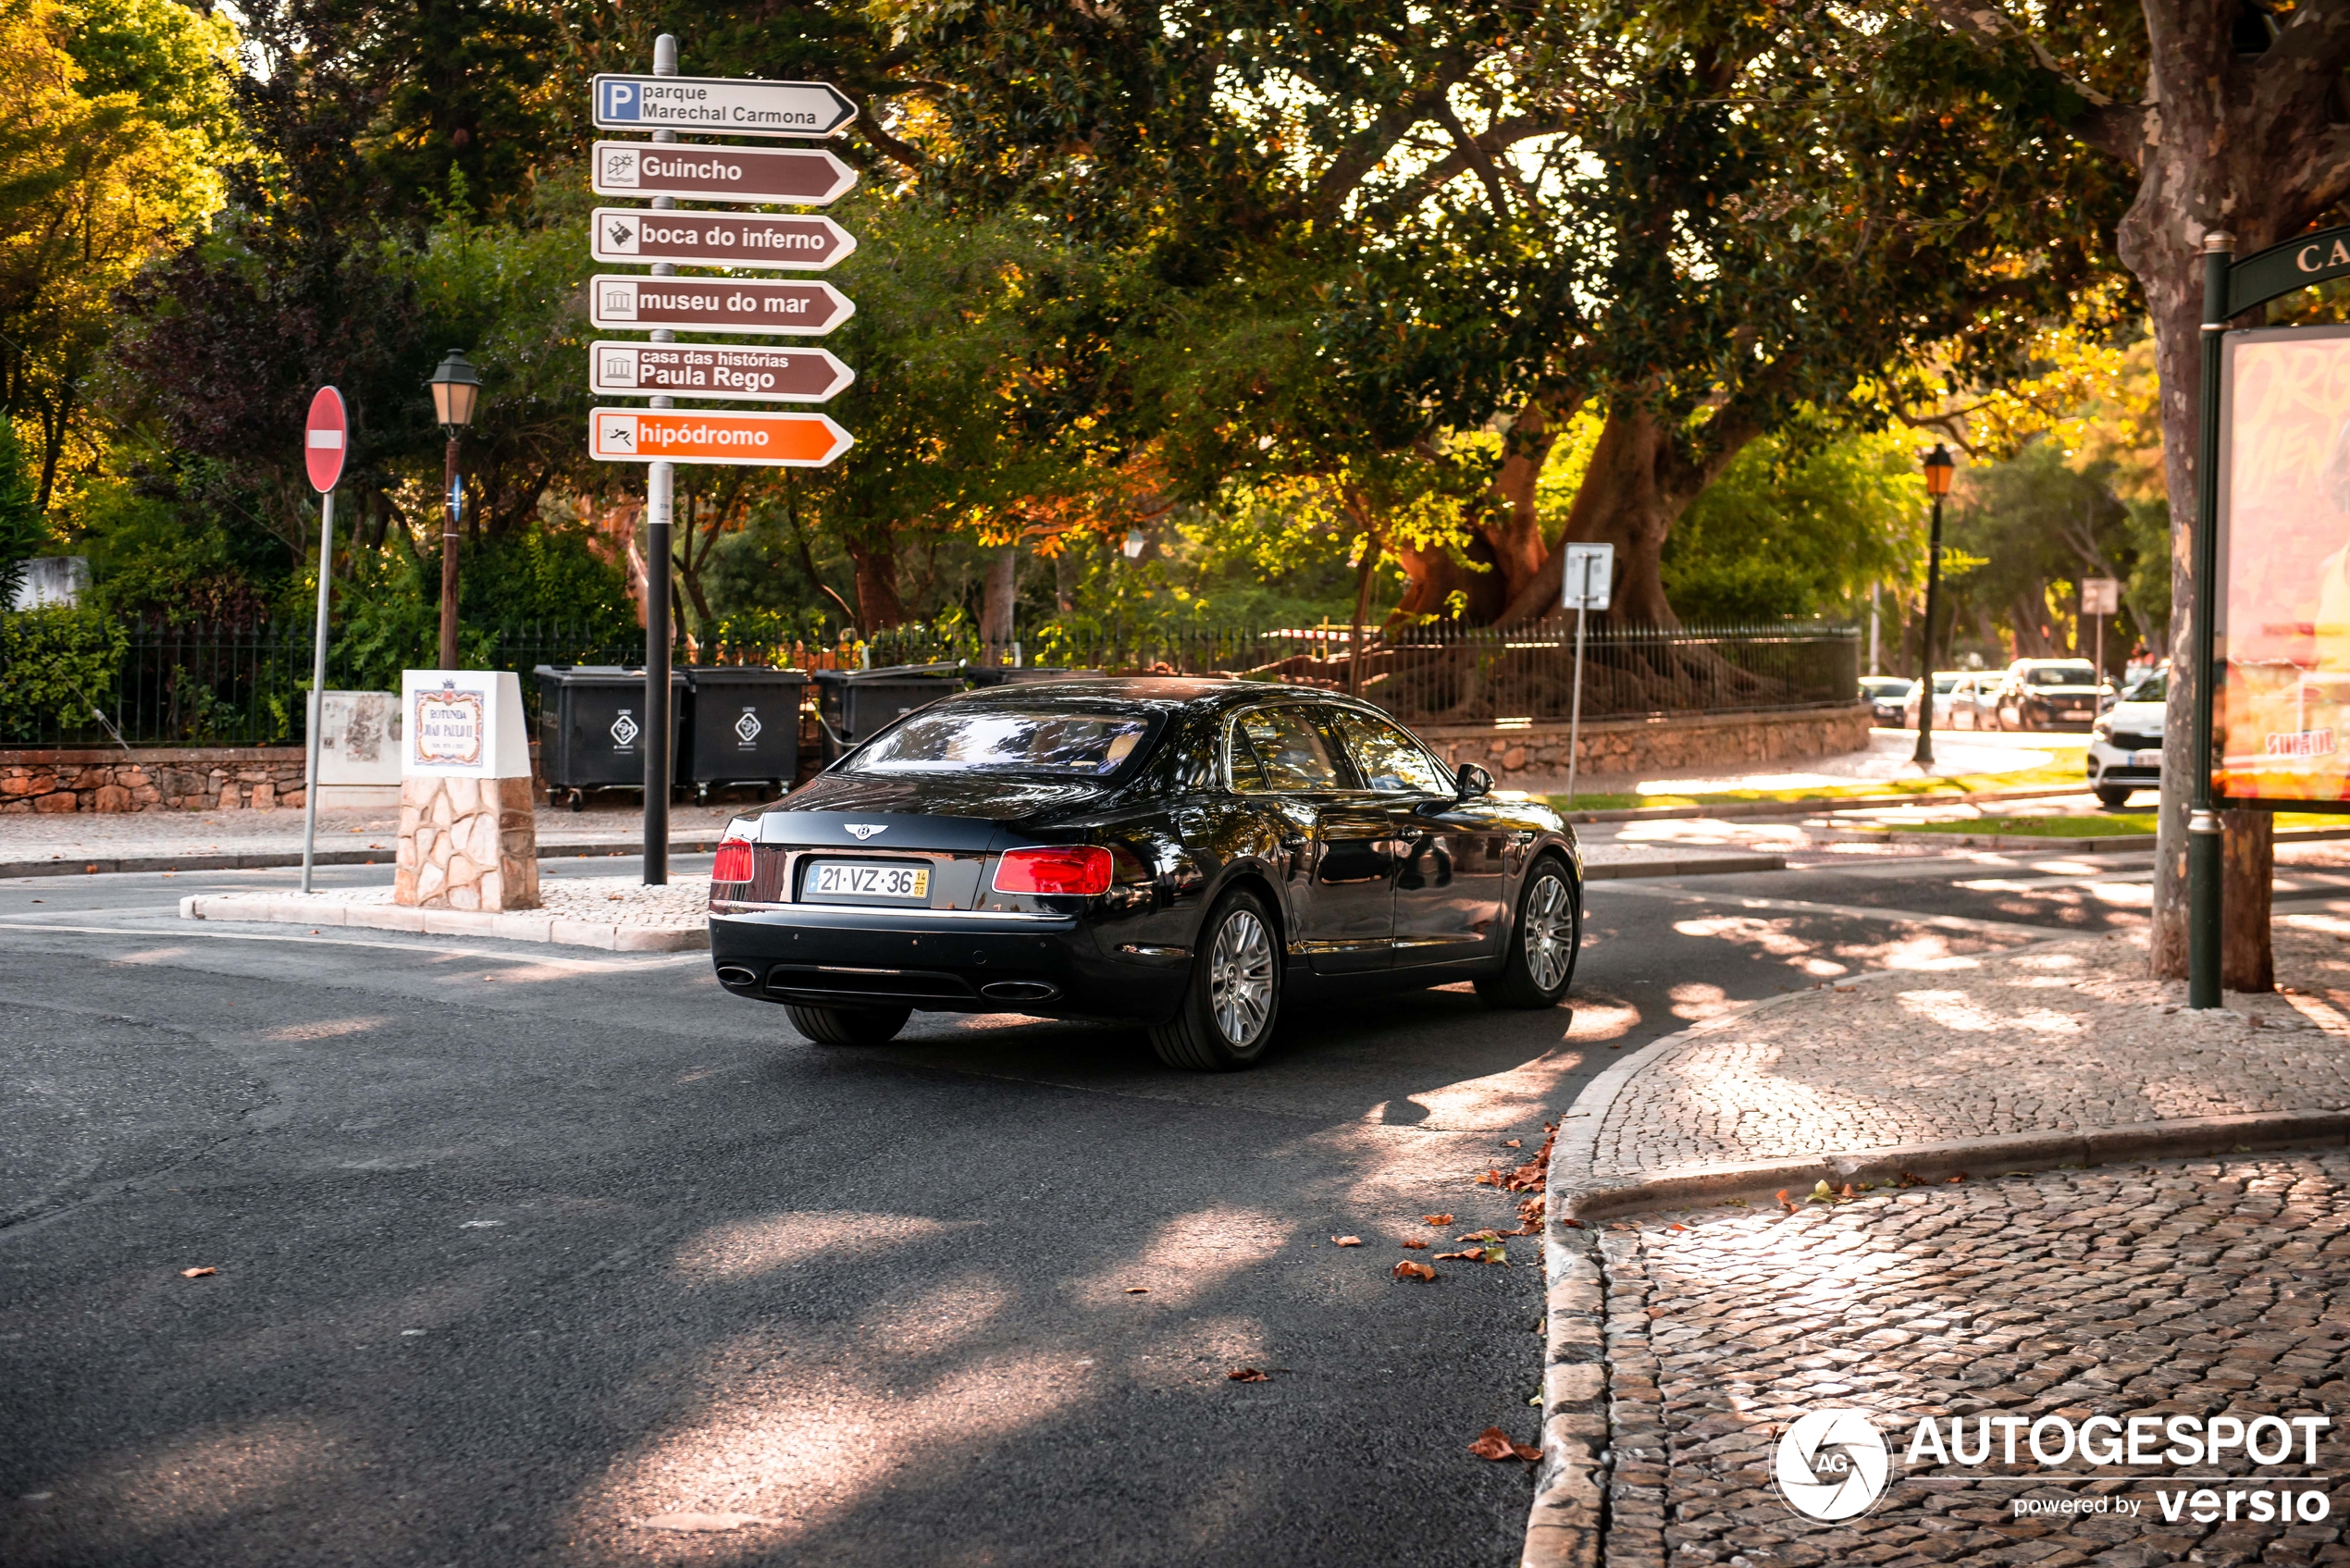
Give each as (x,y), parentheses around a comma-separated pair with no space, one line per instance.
(2280,718)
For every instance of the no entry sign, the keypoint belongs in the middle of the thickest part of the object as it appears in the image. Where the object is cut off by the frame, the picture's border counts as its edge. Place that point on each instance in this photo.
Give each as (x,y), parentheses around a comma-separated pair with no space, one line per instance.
(717,304)
(805,176)
(325,438)
(698,435)
(712,239)
(716,370)
(722,106)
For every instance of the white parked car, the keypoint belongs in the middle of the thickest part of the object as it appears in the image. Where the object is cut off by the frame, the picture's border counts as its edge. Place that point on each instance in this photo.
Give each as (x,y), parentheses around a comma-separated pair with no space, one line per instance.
(2125,746)
(1946,682)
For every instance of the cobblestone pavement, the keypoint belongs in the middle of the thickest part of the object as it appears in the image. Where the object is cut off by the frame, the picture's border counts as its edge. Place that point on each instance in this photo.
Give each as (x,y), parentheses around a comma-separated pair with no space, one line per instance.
(108,836)
(2195,1288)
(624,901)
(2050,1038)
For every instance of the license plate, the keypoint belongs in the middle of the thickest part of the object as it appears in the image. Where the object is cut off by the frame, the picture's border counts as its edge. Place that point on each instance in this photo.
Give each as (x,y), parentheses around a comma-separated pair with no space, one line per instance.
(835,879)
(2076,712)
(2146,759)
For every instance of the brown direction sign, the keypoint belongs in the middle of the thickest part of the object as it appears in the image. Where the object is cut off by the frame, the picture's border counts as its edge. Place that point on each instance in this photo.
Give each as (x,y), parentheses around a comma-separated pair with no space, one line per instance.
(751,372)
(716,305)
(699,172)
(714,239)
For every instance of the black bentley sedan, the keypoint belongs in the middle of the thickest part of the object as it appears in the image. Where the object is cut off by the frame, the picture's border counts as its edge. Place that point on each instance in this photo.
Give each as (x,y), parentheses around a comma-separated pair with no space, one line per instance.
(1190,855)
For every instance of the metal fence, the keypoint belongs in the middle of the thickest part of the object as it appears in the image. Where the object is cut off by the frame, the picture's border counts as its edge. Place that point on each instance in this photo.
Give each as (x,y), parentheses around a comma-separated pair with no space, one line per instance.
(208,684)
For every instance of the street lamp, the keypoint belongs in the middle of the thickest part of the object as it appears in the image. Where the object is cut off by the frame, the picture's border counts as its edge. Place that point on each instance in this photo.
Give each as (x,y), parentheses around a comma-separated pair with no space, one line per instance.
(1938,469)
(456,388)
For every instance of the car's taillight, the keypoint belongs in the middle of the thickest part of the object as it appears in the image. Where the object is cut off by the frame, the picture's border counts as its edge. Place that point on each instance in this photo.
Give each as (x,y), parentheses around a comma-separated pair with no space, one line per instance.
(733,863)
(1081,870)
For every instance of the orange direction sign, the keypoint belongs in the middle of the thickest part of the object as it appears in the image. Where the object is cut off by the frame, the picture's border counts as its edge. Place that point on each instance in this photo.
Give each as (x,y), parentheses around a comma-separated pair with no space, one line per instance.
(698,435)
(722,106)
(715,370)
(703,173)
(709,239)
(717,304)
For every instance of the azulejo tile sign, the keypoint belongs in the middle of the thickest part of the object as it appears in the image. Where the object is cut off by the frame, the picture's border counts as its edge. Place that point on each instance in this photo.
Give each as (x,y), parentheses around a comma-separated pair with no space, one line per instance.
(468,839)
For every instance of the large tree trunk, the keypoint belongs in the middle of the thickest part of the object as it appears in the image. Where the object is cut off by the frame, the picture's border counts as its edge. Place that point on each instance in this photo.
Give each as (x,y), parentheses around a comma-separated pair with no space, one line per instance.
(876,565)
(1434,577)
(998,597)
(1517,535)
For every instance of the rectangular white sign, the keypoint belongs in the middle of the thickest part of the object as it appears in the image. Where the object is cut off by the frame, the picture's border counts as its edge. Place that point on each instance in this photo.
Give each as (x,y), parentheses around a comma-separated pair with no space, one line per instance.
(466,723)
(732,106)
(1589,575)
(2100,596)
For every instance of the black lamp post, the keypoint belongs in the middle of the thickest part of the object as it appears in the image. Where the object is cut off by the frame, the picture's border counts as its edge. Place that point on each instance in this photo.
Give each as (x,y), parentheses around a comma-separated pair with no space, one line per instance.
(456,387)
(1938,469)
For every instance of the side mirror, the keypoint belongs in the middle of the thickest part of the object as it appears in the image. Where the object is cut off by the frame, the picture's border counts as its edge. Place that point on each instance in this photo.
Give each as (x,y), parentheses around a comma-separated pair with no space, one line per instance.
(1471,781)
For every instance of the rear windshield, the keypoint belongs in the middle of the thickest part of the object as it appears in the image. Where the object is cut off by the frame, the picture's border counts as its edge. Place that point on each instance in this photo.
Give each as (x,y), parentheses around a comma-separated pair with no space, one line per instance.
(2155,688)
(2082,674)
(1947,683)
(1074,745)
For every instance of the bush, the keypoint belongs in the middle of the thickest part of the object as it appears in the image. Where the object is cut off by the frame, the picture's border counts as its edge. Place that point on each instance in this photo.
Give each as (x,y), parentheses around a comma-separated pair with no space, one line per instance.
(57,664)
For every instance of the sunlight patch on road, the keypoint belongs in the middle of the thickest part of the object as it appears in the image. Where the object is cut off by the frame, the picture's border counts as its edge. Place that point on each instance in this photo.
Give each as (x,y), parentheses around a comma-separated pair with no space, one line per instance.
(1190,1255)
(203,1480)
(742,1248)
(1695,1001)
(326,1028)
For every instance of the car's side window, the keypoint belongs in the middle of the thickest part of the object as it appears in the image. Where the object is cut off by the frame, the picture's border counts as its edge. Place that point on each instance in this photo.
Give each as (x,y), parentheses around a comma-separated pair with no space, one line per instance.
(1282,751)
(1388,759)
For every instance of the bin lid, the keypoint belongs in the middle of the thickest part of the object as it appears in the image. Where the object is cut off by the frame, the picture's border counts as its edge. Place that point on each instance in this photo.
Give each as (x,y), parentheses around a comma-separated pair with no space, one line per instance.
(916,674)
(599,674)
(744,676)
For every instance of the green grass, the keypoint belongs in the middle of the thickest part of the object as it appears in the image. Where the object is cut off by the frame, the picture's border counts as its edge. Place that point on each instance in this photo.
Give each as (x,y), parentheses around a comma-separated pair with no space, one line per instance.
(2110,824)
(2069,772)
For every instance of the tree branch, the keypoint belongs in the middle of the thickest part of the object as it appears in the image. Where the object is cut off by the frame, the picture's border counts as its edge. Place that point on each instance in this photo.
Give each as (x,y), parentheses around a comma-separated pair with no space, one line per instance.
(1486,173)
(2110,127)
(1371,148)
(2300,68)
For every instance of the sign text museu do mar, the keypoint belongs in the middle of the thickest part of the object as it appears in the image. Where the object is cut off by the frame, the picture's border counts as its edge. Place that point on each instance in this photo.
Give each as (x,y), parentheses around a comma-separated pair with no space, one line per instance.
(735,240)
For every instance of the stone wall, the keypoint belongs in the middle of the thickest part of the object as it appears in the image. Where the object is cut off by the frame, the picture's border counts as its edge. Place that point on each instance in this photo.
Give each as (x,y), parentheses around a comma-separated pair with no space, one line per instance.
(152,779)
(466,843)
(1534,756)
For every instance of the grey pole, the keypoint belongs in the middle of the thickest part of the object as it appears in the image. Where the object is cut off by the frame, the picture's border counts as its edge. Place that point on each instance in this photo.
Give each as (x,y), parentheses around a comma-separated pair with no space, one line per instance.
(1574,712)
(317,683)
(1923,756)
(2203,821)
(659,480)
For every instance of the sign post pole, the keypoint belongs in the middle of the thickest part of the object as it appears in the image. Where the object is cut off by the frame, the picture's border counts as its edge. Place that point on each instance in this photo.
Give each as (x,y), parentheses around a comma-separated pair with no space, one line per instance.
(1584,564)
(325,440)
(659,481)
(2203,821)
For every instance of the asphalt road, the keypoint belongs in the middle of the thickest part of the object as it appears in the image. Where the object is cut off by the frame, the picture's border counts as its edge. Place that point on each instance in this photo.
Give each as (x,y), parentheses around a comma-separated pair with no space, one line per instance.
(519,1247)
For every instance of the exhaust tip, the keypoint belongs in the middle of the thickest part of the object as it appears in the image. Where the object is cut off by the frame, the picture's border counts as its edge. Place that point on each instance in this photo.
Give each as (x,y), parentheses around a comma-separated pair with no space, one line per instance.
(1019,991)
(735,974)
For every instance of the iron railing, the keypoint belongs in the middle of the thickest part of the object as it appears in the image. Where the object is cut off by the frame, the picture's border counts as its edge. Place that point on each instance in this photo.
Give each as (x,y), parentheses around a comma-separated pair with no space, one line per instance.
(243,685)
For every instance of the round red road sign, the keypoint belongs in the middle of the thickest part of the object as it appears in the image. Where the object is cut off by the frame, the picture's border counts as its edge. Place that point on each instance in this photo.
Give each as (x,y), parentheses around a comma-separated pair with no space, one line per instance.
(324,438)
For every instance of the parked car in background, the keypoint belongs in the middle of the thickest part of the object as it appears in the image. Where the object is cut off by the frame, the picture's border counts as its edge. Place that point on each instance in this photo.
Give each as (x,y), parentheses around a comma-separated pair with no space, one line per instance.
(1974,704)
(1885,696)
(1945,683)
(2125,746)
(2046,694)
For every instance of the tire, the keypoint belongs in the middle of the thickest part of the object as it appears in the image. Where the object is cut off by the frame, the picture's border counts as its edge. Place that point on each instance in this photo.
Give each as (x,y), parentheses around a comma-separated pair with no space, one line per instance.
(848,1026)
(2113,800)
(1233,997)
(1535,973)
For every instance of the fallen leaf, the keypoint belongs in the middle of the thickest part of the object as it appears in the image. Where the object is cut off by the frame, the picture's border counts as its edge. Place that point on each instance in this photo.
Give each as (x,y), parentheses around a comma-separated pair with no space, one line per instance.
(1435,1219)
(1490,1178)
(1415,1243)
(1346,1240)
(1478,1236)
(1513,1143)
(1407,1269)
(1495,1443)
(1530,1213)
(1784,1204)
(1138,1290)
(1443,1256)
(1618,1224)
(1572,1224)
(699,1521)
(1246,1375)
(1961,1176)
(1676,1226)
(196,1273)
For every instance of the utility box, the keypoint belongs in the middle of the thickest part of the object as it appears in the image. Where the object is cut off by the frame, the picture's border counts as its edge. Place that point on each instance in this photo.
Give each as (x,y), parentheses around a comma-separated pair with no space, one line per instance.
(742,726)
(591,727)
(855,704)
(358,748)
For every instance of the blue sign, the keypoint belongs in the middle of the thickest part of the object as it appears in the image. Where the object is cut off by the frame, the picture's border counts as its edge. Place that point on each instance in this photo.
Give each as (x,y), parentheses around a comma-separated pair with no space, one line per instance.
(457,497)
(618,101)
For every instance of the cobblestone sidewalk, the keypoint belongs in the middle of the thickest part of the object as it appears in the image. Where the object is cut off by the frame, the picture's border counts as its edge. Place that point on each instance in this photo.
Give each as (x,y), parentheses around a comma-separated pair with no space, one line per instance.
(2177,1288)
(2051,1038)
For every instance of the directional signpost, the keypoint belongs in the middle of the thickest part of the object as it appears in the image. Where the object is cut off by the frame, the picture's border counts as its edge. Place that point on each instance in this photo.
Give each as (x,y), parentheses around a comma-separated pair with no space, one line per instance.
(663,173)
(717,304)
(707,239)
(716,370)
(722,106)
(1587,576)
(326,439)
(700,435)
(802,176)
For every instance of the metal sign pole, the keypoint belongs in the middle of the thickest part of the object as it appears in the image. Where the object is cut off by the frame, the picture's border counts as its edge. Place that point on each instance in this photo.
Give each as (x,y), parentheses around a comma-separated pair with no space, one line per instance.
(1575,711)
(2203,821)
(659,480)
(317,685)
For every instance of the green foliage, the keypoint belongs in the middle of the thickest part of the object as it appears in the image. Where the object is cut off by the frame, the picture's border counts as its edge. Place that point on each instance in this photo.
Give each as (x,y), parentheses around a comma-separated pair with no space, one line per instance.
(1796,531)
(23,532)
(56,665)
(2039,525)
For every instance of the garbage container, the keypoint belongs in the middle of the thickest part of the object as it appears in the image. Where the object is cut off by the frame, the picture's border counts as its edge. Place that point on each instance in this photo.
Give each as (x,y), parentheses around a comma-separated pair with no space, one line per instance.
(742,726)
(853,704)
(1005,675)
(591,727)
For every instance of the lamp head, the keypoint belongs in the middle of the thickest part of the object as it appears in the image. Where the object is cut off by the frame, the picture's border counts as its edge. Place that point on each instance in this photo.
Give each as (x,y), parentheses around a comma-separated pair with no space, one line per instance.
(456,388)
(1938,471)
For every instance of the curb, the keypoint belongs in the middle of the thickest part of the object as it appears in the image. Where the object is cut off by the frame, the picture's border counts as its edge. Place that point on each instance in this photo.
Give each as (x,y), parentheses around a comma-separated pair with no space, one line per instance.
(292,909)
(1684,865)
(1566,1527)
(1816,803)
(273,859)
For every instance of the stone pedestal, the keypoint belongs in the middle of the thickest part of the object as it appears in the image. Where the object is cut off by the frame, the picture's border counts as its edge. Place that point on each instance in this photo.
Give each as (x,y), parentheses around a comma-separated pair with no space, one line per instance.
(466,843)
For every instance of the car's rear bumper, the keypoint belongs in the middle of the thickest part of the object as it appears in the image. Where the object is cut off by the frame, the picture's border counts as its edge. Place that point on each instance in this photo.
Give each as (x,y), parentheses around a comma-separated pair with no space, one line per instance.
(938,960)
(2112,767)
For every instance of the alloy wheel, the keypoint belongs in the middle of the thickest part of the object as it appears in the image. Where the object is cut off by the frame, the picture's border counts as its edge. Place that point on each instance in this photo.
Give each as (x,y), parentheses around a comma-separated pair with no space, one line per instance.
(1550,932)
(1240,978)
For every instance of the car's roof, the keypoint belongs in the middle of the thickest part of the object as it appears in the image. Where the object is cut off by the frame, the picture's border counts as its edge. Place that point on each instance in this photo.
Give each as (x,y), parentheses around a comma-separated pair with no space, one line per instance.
(1150,693)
